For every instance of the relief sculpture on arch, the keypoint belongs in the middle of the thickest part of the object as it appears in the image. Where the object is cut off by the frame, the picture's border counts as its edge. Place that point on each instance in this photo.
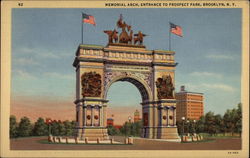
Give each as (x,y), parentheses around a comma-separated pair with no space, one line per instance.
(91,84)
(165,87)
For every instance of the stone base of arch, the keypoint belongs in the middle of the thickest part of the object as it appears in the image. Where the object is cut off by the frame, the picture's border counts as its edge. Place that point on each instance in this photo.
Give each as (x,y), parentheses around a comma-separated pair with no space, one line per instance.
(92,133)
(169,133)
(161,122)
(91,119)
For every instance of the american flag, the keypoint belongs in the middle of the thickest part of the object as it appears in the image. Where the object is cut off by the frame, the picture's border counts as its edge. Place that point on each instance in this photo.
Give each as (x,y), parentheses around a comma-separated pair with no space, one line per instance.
(88,19)
(175,29)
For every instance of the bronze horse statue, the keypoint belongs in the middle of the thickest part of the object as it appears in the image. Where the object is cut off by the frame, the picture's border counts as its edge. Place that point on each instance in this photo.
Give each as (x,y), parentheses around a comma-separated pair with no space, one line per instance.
(112,35)
(115,36)
(139,38)
(130,39)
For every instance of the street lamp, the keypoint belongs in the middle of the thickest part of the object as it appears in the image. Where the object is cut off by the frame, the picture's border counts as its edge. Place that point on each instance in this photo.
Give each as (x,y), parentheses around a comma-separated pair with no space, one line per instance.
(129,119)
(183,119)
(194,127)
(188,127)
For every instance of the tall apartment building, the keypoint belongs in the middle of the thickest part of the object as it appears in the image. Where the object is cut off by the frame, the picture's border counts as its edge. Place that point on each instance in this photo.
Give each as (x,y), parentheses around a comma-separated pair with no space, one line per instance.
(189,104)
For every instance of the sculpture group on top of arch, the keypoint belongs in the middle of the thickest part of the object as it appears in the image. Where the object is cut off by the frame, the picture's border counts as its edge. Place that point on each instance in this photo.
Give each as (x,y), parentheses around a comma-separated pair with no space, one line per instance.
(124,36)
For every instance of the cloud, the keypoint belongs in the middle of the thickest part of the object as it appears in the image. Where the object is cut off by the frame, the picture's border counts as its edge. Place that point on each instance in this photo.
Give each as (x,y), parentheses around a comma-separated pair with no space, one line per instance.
(24,61)
(42,53)
(23,74)
(219,57)
(48,55)
(60,76)
(209,87)
(206,74)
(25,50)
(218,86)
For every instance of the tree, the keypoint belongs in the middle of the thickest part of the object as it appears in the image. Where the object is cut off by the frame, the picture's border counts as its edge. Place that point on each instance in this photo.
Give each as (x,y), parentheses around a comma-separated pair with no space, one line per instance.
(73,125)
(190,126)
(61,128)
(238,128)
(68,128)
(179,127)
(210,123)
(186,126)
(125,129)
(137,127)
(131,128)
(218,123)
(25,127)
(40,127)
(229,120)
(232,120)
(112,130)
(55,128)
(13,127)
(200,125)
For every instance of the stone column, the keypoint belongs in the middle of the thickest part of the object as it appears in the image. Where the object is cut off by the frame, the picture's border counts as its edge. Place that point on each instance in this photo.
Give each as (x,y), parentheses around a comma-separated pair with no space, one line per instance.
(174,117)
(104,116)
(167,116)
(92,115)
(84,115)
(99,116)
(156,120)
(160,116)
(80,120)
(150,121)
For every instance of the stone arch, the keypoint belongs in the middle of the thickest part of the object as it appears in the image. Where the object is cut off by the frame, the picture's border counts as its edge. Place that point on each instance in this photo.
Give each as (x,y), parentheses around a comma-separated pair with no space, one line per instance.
(142,86)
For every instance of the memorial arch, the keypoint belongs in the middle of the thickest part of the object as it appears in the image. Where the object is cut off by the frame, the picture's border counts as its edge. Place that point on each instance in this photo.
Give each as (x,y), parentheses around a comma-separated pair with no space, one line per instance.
(123,59)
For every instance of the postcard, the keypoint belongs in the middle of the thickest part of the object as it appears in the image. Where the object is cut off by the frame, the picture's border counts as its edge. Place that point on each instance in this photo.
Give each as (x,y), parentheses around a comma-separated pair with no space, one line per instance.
(125,79)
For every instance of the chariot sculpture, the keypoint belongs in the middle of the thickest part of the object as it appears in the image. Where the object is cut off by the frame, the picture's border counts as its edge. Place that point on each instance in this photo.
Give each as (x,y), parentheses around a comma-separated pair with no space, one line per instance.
(126,36)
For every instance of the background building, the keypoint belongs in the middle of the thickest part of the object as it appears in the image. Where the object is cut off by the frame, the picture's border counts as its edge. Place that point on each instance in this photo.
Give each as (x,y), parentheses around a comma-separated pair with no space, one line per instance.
(189,104)
(137,116)
(110,122)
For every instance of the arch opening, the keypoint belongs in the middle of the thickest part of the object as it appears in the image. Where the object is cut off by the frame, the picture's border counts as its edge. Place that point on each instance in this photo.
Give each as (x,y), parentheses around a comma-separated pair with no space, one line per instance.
(127,112)
(140,85)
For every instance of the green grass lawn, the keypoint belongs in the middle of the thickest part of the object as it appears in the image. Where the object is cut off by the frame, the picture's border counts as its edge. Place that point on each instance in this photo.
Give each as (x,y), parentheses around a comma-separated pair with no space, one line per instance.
(201,141)
(220,135)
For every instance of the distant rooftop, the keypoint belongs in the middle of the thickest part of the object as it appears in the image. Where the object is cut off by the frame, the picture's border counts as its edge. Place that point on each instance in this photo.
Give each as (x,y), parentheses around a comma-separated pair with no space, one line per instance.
(182,90)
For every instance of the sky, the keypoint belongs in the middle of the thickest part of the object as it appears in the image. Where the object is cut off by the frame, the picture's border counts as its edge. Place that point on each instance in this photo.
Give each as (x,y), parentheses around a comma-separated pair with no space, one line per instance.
(44,42)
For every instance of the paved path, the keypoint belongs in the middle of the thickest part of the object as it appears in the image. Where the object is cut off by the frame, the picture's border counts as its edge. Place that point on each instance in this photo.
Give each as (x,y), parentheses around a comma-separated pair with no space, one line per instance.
(139,144)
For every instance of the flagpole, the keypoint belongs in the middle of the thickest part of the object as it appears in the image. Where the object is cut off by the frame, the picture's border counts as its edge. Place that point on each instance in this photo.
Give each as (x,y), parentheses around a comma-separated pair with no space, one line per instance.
(169,39)
(82,27)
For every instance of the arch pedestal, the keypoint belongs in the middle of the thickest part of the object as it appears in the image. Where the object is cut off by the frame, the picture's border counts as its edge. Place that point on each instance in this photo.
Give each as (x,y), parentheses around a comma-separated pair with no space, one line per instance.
(151,71)
(90,116)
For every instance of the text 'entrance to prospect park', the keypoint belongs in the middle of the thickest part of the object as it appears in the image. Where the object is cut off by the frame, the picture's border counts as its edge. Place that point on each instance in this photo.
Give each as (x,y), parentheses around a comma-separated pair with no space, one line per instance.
(125,58)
